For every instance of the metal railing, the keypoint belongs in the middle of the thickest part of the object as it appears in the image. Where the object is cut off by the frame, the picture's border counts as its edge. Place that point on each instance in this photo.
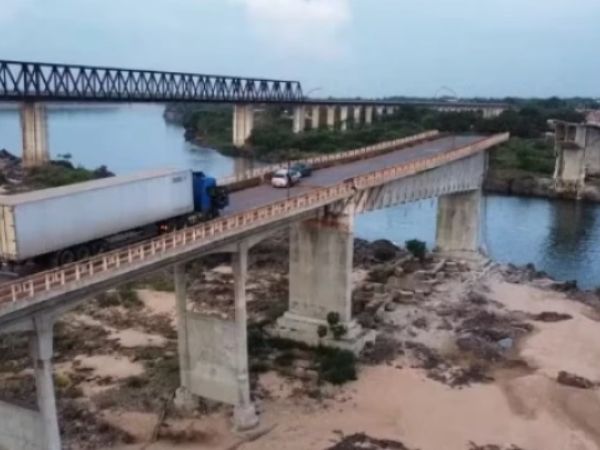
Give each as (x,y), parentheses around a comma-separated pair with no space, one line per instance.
(76,275)
(326,160)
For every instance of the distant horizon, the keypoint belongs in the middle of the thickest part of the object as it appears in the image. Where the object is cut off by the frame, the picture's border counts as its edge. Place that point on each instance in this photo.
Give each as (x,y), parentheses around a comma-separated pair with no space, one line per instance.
(494,49)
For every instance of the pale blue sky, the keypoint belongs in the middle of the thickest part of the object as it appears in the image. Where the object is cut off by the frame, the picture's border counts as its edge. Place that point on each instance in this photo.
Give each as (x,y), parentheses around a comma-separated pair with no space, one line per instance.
(346,47)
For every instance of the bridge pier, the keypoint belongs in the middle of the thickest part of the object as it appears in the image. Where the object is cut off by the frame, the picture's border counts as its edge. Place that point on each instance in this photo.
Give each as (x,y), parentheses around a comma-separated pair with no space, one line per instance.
(380,110)
(41,354)
(331,117)
(299,119)
(34,128)
(243,124)
(320,284)
(357,111)
(458,222)
(368,115)
(343,118)
(577,148)
(213,352)
(315,118)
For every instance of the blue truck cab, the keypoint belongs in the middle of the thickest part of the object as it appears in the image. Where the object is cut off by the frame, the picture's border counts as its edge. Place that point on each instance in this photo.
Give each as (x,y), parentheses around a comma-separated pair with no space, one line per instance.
(209,199)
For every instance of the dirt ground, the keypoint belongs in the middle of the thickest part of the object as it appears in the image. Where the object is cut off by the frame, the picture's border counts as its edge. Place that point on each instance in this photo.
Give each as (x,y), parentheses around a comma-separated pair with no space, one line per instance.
(470,356)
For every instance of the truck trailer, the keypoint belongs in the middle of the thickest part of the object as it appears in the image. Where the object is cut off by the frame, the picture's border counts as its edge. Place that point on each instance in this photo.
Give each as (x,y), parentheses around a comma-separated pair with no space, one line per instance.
(60,225)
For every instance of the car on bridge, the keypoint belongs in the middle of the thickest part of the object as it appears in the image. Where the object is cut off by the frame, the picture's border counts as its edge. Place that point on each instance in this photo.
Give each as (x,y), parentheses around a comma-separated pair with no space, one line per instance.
(303,169)
(285,178)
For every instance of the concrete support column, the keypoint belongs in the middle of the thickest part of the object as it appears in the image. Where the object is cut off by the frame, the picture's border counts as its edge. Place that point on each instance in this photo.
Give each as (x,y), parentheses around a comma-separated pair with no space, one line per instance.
(34,128)
(330,117)
(243,124)
(390,110)
(321,252)
(41,354)
(368,115)
(379,111)
(357,115)
(315,119)
(182,329)
(244,413)
(344,118)
(299,118)
(458,222)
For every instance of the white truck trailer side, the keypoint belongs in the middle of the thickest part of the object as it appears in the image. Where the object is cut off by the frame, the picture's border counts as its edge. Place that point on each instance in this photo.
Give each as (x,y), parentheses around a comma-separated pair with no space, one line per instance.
(45,221)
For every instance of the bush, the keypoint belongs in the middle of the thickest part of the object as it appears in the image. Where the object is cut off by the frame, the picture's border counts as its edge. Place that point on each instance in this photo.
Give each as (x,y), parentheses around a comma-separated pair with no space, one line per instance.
(333,318)
(417,248)
(129,297)
(336,366)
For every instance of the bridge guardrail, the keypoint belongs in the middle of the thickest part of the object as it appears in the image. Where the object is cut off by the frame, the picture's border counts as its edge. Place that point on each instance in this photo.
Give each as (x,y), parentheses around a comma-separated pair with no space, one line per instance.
(27,288)
(325,160)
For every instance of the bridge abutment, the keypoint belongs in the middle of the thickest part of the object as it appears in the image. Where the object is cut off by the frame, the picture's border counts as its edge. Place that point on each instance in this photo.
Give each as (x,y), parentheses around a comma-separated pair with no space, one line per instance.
(213,353)
(243,124)
(458,222)
(34,128)
(577,149)
(320,285)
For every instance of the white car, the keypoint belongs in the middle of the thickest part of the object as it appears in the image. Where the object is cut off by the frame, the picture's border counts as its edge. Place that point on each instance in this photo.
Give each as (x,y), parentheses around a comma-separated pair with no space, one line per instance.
(285,178)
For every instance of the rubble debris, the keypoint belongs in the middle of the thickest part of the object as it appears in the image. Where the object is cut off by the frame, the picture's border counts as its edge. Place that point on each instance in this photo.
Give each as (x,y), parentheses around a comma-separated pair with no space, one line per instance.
(551,316)
(576,381)
(361,441)
(473,446)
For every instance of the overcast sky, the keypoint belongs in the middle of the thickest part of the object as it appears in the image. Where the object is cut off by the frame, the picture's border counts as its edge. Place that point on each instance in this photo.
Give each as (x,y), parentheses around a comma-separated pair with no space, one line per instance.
(345,47)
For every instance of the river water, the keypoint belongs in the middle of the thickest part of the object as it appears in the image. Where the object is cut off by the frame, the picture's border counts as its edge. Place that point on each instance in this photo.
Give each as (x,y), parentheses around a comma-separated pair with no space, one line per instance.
(562,238)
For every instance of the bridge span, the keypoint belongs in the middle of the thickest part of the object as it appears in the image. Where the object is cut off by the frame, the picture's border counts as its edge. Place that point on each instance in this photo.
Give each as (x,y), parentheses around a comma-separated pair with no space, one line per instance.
(34,84)
(319,213)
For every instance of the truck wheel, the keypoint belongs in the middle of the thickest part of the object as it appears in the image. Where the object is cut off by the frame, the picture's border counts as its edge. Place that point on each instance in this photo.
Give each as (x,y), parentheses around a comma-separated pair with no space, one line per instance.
(99,247)
(82,252)
(64,257)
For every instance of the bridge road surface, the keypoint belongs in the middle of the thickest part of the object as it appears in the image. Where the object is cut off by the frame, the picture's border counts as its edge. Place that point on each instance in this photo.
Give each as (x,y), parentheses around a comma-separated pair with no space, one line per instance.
(265,194)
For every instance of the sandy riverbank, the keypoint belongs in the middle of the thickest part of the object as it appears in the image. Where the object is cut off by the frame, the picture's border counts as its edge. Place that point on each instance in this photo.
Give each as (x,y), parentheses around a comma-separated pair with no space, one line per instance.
(468,357)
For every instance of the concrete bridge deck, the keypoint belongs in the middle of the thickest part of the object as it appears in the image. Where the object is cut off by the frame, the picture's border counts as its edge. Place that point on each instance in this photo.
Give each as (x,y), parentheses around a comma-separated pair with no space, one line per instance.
(252,211)
(264,194)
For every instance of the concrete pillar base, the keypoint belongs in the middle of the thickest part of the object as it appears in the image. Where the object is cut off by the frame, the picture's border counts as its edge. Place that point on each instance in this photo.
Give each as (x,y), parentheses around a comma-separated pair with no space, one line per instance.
(243,124)
(245,417)
(185,400)
(306,330)
(458,222)
(34,128)
(299,123)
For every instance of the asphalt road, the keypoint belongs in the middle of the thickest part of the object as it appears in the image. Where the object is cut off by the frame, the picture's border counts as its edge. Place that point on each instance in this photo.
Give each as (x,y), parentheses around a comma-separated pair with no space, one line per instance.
(266,194)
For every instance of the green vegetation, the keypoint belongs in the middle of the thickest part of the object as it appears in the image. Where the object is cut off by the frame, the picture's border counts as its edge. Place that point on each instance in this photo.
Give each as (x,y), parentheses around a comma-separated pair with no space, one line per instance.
(273,140)
(417,248)
(336,366)
(530,155)
(332,365)
(125,296)
(60,173)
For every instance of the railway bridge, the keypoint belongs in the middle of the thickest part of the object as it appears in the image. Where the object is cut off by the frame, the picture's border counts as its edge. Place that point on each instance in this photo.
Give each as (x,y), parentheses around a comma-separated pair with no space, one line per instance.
(34,84)
(319,213)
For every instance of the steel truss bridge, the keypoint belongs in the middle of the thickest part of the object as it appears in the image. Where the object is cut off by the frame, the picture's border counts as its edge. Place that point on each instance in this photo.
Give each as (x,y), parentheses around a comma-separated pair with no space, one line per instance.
(33,81)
